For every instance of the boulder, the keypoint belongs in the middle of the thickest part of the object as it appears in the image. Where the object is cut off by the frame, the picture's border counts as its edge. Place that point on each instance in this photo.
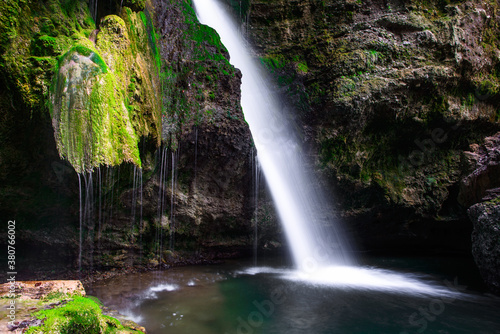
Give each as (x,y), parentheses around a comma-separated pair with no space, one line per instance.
(486,241)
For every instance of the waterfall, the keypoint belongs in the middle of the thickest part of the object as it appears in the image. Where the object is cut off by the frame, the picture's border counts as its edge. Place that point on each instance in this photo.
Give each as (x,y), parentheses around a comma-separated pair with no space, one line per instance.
(315,240)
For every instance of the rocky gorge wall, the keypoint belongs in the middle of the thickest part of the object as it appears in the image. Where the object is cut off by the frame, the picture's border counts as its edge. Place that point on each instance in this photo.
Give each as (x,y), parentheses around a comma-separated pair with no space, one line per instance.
(121,120)
(123,143)
(391,98)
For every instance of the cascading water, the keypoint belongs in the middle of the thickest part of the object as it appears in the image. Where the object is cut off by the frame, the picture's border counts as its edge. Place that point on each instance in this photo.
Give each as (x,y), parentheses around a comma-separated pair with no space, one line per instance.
(298,199)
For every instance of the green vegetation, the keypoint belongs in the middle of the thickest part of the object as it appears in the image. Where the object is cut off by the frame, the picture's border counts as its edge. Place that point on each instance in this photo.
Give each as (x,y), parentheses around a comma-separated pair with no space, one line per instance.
(38,29)
(103,96)
(79,315)
(54,68)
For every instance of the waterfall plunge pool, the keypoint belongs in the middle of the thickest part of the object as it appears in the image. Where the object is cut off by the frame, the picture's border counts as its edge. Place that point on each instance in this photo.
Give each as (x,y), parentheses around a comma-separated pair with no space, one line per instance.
(407,296)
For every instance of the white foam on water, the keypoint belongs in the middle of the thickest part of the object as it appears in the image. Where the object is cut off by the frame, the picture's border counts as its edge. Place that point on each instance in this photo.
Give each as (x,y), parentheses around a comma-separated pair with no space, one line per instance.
(151,293)
(164,287)
(364,278)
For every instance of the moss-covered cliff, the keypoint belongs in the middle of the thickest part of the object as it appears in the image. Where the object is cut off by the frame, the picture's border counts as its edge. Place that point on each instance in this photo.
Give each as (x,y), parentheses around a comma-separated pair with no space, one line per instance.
(390,94)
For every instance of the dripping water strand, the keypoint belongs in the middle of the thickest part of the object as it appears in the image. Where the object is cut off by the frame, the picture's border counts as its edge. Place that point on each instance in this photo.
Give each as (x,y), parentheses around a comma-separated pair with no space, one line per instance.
(93,10)
(161,195)
(99,229)
(159,210)
(133,204)
(172,195)
(256,199)
(85,211)
(163,198)
(140,216)
(89,217)
(195,154)
(80,223)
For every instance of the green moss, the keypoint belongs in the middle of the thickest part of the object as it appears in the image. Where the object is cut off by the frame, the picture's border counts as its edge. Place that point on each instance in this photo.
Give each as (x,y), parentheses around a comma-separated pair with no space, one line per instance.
(80,315)
(9,24)
(37,29)
(135,5)
(93,125)
(46,46)
(302,67)
(105,95)
(489,87)
(86,50)
(273,62)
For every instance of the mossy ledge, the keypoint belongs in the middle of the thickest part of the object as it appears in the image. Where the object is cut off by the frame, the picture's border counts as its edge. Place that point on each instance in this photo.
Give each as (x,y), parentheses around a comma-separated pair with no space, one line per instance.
(76,314)
(58,306)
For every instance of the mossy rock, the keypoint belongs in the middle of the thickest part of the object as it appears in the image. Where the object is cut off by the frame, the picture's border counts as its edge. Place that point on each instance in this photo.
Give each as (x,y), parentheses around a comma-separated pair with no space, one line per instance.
(46,46)
(104,95)
(80,315)
(90,120)
(135,5)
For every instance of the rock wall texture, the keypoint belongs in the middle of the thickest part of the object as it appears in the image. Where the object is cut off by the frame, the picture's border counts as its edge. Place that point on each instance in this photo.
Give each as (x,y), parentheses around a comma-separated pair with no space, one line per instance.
(482,187)
(123,143)
(486,241)
(389,95)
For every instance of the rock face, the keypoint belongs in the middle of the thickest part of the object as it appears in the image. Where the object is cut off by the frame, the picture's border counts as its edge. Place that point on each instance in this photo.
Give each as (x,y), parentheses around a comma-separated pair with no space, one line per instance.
(123,142)
(388,94)
(486,241)
(208,138)
(483,183)
(481,190)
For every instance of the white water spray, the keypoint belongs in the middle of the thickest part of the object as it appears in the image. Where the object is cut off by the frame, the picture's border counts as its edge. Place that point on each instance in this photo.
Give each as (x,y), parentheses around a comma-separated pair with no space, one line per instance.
(315,240)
